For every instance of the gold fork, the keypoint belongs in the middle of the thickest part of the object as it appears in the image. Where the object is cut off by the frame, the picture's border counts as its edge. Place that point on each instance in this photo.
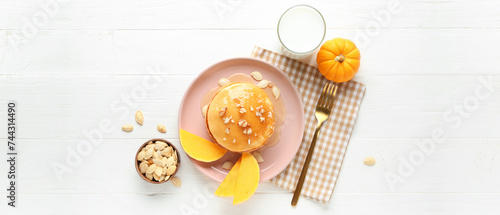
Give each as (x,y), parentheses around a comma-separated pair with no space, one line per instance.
(323,109)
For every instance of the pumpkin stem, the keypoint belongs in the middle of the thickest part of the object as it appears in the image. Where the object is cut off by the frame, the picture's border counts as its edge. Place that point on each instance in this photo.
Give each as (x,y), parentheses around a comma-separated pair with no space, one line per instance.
(340,58)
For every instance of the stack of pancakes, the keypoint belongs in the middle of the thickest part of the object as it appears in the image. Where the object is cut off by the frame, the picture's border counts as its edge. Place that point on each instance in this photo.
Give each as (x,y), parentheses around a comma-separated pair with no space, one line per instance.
(240,117)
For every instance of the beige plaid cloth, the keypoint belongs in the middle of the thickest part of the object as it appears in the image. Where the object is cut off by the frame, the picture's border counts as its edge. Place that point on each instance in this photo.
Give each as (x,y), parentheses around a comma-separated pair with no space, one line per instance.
(335,133)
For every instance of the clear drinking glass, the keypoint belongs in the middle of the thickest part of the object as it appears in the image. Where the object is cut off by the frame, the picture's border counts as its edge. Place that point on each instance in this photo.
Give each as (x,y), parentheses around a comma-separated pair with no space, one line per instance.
(301,30)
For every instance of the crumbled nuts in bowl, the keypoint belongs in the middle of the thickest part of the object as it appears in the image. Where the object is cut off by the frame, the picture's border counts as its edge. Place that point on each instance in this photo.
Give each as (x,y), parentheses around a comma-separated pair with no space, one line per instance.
(157,161)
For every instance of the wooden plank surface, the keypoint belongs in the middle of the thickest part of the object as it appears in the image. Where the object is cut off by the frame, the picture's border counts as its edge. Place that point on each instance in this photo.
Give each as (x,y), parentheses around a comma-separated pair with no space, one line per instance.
(238,14)
(393,52)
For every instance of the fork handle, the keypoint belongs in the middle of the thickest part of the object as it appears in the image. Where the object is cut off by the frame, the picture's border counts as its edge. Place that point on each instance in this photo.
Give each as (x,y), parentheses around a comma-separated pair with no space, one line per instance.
(303,173)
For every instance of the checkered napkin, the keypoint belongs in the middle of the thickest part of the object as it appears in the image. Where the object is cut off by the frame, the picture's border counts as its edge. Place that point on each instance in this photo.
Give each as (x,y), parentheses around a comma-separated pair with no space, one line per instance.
(334,135)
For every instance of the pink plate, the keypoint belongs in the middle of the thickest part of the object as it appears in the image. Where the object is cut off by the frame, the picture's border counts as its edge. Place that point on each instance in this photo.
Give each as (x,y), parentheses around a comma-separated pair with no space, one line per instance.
(277,157)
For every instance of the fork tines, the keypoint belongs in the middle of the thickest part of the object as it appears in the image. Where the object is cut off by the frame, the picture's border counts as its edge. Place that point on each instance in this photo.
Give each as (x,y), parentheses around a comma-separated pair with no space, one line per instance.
(327,95)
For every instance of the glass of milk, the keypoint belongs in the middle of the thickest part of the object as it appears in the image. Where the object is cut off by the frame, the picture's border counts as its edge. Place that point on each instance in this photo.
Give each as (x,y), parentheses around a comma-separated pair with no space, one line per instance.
(301,30)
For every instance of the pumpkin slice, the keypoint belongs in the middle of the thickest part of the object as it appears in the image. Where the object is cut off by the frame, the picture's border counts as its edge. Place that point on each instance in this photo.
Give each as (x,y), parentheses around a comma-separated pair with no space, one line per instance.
(199,148)
(227,187)
(248,178)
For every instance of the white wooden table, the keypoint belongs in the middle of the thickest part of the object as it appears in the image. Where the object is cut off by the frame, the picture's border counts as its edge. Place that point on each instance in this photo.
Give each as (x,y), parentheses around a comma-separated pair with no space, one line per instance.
(430,67)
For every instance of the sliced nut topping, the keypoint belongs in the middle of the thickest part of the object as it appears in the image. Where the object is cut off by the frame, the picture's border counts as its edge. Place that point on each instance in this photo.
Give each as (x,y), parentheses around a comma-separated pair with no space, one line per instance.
(243,123)
(251,108)
(156,155)
(171,169)
(176,181)
(369,161)
(164,160)
(149,176)
(128,128)
(158,170)
(258,156)
(227,130)
(259,111)
(262,119)
(234,140)
(227,119)
(256,75)
(224,139)
(248,141)
(164,171)
(263,84)
(156,177)
(139,118)
(141,155)
(227,165)
(149,153)
(159,163)
(232,121)
(160,145)
(247,131)
(159,142)
(170,161)
(167,151)
(161,128)
(276,92)
(243,110)
(224,82)
(269,114)
(204,111)
(151,169)
(238,105)
(222,112)
(143,167)
(271,84)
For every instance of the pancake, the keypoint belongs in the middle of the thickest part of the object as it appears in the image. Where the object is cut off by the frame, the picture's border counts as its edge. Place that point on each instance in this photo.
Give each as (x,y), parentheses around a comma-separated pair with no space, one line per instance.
(240,117)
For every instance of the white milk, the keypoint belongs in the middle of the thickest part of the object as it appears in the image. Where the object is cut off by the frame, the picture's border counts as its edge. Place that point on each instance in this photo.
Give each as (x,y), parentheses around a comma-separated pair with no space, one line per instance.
(301,29)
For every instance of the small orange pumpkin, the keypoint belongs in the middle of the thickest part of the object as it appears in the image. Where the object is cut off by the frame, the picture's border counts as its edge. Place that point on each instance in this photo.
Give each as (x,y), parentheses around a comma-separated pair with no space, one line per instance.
(338,60)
